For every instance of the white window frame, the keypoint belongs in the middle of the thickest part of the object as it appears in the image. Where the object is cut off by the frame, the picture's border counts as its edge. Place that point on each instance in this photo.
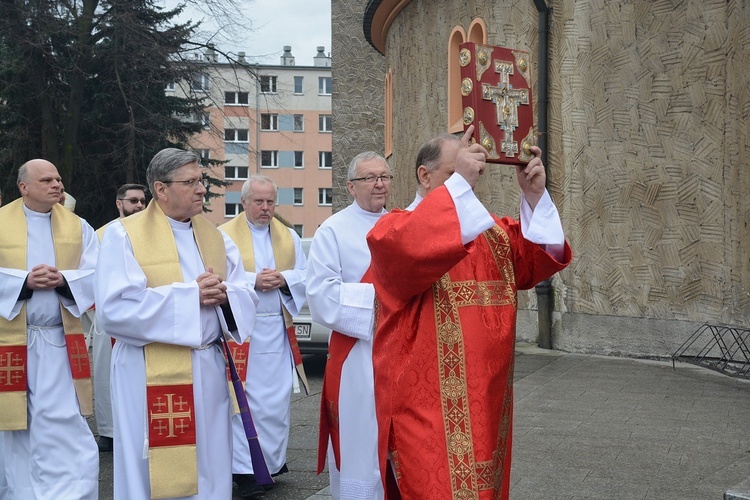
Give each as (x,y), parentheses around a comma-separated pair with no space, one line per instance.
(301,196)
(272,84)
(203,81)
(321,159)
(233,98)
(299,229)
(236,134)
(301,85)
(302,162)
(235,175)
(274,157)
(273,122)
(232,209)
(169,87)
(322,197)
(302,122)
(325,123)
(325,85)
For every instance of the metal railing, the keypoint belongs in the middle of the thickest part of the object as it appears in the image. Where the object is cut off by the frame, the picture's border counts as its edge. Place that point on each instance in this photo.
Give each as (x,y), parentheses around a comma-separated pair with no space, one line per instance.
(721,348)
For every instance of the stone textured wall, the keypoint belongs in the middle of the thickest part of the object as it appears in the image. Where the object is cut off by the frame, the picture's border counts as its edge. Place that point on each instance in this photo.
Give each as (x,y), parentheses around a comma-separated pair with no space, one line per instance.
(649,135)
(357,100)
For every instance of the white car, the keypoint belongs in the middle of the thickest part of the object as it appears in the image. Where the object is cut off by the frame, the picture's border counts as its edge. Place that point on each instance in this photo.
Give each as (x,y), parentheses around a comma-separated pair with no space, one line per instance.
(311,336)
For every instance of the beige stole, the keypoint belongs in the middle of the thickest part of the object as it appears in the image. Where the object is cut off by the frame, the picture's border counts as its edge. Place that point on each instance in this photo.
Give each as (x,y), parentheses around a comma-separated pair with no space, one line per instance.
(173,462)
(67,236)
(284,255)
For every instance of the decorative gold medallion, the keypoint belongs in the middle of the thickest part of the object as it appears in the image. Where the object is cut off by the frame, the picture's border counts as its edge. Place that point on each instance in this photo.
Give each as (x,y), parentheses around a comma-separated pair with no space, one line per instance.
(484,59)
(522,63)
(468,116)
(525,153)
(487,141)
(467,85)
(464,57)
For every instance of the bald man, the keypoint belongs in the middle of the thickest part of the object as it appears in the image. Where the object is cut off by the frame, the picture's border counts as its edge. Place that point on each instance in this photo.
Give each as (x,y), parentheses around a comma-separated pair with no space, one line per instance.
(47,261)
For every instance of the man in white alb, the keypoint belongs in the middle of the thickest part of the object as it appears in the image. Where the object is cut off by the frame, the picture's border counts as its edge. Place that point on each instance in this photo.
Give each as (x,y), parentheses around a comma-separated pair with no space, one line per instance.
(338,259)
(168,286)
(275,265)
(131,199)
(47,260)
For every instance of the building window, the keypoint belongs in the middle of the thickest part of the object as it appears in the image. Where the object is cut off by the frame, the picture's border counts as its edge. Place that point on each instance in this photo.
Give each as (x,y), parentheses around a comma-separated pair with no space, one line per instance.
(298,85)
(324,85)
(325,159)
(324,123)
(269,121)
(200,83)
(325,196)
(232,209)
(205,155)
(235,134)
(235,172)
(268,84)
(299,123)
(298,200)
(169,87)
(240,98)
(269,159)
(299,159)
(298,229)
(204,119)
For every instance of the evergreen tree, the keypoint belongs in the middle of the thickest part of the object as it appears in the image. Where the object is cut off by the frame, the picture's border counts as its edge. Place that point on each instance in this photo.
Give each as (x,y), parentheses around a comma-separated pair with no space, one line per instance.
(82,84)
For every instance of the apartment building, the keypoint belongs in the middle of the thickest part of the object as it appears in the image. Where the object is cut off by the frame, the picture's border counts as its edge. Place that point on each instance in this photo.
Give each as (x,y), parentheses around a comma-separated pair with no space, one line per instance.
(273,120)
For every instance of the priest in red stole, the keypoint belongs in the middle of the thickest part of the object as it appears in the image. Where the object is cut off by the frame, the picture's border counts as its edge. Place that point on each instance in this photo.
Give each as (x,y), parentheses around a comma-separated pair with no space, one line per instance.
(446,275)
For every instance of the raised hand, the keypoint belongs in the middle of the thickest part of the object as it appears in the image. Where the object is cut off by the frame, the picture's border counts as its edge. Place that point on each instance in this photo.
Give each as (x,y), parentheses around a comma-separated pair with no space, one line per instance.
(470,159)
(532,178)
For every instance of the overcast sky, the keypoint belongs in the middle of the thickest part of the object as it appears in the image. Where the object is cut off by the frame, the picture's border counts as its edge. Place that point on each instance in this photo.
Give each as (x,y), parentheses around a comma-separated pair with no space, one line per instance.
(268,26)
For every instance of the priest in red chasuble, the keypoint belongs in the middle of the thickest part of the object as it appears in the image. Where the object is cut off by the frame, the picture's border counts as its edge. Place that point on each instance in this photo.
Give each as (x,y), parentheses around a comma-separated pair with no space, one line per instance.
(446,275)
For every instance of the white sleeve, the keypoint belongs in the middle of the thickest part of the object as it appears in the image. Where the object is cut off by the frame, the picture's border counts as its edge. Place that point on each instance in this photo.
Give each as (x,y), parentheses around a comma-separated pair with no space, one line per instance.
(130,311)
(542,226)
(344,307)
(295,279)
(472,215)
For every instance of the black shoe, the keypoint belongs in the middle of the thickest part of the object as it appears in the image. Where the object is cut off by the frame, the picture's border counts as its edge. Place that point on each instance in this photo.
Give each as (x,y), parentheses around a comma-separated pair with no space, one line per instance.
(284,469)
(247,487)
(104,444)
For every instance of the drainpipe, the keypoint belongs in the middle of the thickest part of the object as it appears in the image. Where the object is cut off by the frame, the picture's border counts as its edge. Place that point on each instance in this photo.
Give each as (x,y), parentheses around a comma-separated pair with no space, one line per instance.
(544,295)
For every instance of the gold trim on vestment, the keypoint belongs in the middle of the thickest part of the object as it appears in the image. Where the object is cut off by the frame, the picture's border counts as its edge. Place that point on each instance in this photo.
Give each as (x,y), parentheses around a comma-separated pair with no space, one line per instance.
(467,476)
(173,469)
(67,240)
(284,256)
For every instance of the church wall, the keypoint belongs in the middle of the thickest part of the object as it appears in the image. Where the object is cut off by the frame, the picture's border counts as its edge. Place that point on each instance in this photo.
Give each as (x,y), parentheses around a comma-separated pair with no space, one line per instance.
(648,156)
(357,100)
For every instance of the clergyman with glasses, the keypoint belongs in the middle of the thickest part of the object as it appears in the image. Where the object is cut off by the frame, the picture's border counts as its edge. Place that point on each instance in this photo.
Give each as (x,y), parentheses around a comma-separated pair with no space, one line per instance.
(338,299)
(168,286)
(131,198)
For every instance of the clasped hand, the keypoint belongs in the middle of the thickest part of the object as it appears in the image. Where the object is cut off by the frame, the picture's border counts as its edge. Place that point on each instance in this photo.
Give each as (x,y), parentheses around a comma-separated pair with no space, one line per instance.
(213,291)
(269,279)
(43,277)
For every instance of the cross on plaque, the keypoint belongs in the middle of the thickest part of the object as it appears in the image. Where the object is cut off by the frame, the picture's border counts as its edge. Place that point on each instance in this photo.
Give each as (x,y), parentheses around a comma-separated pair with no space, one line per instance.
(238,355)
(79,358)
(506,99)
(12,369)
(170,415)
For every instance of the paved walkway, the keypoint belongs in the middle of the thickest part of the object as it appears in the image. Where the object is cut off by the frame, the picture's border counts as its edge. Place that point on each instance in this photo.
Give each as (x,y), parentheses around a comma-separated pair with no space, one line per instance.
(611,428)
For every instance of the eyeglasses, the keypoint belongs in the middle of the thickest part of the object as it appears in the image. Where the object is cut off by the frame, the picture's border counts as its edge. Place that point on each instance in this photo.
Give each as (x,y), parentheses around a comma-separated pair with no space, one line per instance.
(372,179)
(191,183)
(134,201)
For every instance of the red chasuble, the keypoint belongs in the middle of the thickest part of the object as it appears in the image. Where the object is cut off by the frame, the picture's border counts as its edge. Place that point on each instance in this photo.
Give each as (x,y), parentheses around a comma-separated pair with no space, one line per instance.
(444,347)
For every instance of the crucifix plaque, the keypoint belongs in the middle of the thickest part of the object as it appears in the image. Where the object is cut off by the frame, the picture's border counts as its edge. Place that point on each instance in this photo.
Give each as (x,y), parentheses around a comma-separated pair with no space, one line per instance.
(496,98)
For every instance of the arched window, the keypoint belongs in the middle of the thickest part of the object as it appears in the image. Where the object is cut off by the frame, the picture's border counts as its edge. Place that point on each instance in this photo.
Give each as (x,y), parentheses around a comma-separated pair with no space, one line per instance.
(478,31)
(455,109)
(388,142)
